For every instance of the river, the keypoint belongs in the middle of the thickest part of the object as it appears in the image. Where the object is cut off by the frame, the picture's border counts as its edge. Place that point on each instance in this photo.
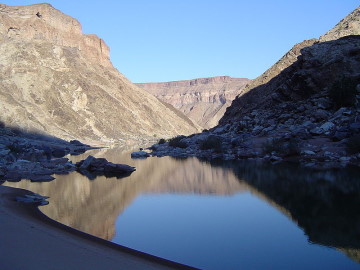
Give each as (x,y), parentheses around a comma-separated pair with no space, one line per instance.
(216,215)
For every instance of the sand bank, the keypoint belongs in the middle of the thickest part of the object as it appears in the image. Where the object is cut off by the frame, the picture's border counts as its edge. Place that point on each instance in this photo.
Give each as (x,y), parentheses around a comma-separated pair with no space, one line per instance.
(30,240)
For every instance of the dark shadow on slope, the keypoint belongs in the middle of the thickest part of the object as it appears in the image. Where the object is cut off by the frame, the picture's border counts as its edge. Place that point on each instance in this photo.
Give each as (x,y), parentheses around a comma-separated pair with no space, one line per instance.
(317,68)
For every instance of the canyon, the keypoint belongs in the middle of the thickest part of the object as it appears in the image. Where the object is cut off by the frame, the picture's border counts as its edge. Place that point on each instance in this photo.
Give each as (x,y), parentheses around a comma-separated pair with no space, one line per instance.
(304,109)
(203,100)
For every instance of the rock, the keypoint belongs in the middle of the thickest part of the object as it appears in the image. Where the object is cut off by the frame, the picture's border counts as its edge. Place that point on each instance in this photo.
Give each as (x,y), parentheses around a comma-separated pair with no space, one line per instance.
(320,115)
(300,133)
(92,167)
(240,139)
(118,168)
(344,159)
(323,103)
(327,126)
(40,178)
(85,164)
(76,142)
(307,123)
(275,158)
(140,154)
(59,152)
(316,131)
(33,198)
(340,135)
(4,152)
(355,127)
(308,152)
(3,171)
(257,130)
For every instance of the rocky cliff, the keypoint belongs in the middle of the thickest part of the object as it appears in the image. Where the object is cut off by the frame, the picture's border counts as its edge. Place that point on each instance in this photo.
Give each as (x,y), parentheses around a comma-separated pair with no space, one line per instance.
(203,100)
(310,64)
(56,80)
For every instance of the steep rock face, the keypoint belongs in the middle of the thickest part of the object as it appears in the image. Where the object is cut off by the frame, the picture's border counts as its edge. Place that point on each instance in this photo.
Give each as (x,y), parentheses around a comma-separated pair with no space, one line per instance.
(58,81)
(309,67)
(203,100)
(43,22)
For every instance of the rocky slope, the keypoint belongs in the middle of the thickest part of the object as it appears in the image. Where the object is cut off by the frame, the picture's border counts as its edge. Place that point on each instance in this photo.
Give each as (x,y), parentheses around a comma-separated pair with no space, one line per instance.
(203,100)
(306,108)
(56,80)
(350,25)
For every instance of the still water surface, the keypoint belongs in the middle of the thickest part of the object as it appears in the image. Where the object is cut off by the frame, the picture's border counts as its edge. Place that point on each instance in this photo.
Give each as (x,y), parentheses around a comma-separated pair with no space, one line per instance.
(231,215)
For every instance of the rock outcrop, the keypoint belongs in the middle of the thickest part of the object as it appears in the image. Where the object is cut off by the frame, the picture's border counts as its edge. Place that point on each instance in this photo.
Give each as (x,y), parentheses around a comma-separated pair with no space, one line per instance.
(58,81)
(203,100)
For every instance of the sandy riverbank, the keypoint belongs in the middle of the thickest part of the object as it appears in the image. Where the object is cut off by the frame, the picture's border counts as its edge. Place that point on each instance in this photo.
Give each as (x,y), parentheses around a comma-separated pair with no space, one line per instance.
(30,240)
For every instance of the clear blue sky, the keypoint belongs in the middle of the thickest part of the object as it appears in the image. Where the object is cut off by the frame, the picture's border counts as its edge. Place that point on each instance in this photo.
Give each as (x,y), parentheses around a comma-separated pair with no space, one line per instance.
(166,40)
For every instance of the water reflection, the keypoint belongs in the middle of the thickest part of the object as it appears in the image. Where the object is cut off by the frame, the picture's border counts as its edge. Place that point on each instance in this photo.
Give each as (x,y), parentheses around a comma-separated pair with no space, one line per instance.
(93,206)
(323,203)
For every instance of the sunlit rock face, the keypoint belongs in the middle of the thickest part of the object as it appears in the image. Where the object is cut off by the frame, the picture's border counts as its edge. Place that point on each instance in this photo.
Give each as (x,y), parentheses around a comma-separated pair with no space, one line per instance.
(203,100)
(56,80)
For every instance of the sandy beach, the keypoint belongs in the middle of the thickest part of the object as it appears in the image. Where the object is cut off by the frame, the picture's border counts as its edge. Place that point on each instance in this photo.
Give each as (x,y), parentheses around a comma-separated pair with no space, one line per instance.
(30,240)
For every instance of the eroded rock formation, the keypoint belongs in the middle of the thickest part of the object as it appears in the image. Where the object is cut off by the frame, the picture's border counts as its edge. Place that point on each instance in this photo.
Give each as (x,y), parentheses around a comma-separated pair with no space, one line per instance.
(203,100)
(56,80)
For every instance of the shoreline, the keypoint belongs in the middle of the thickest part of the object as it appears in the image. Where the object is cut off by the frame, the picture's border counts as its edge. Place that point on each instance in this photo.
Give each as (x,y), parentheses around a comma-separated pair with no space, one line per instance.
(27,233)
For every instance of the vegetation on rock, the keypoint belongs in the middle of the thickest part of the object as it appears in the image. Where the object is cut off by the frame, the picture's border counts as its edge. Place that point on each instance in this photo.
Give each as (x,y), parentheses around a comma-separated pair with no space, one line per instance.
(177,142)
(211,142)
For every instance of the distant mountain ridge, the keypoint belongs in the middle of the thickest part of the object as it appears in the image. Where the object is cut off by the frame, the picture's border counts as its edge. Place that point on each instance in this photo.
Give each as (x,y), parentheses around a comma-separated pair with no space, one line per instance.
(204,100)
(58,81)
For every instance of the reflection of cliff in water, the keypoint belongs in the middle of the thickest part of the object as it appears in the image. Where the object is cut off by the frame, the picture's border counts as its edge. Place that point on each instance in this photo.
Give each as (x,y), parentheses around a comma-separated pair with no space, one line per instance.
(93,206)
(325,204)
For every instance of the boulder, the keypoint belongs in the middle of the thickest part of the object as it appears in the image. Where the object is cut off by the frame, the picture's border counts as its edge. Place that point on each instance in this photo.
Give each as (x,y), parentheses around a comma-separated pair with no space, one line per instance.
(327,126)
(92,167)
(140,154)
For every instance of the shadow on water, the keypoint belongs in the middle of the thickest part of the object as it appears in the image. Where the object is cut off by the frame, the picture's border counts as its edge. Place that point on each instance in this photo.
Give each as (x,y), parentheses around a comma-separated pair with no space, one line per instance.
(323,203)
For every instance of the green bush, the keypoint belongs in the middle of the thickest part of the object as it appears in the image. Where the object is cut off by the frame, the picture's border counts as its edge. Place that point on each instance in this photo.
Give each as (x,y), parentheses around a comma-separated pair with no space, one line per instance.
(282,147)
(343,93)
(161,141)
(176,142)
(211,142)
(353,145)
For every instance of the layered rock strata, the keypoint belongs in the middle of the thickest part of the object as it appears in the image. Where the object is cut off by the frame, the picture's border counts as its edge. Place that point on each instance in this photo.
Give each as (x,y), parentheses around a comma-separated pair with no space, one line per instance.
(203,100)
(58,81)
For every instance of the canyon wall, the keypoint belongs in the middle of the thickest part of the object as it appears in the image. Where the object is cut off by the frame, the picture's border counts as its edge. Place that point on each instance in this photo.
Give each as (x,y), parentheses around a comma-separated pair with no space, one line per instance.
(58,81)
(203,100)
